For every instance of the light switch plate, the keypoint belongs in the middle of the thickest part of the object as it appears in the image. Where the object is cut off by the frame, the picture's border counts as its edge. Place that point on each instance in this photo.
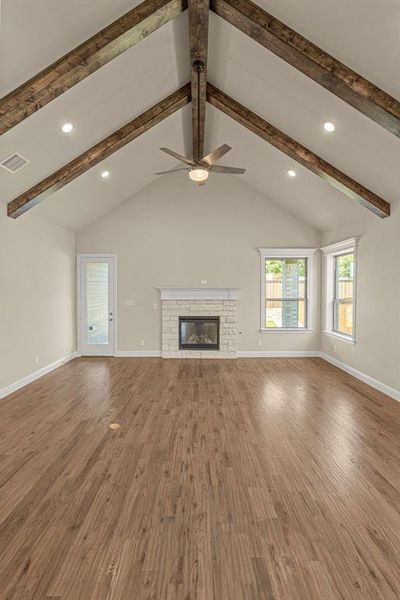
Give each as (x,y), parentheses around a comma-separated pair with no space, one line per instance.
(129,302)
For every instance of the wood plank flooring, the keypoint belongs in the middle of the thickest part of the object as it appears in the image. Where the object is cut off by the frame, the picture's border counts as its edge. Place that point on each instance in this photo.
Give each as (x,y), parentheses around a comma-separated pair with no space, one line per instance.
(254,479)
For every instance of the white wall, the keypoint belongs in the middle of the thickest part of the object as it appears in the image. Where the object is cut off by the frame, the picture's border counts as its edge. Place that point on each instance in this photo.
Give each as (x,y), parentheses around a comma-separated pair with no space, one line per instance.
(37,295)
(377,349)
(176,234)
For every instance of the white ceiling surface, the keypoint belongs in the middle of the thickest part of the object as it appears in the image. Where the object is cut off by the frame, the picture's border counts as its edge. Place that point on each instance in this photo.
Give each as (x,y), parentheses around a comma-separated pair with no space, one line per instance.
(36,33)
(132,168)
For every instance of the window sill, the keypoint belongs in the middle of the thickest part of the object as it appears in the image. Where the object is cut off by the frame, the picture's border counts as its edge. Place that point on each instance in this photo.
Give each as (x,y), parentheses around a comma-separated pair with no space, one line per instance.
(284,330)
(344,338)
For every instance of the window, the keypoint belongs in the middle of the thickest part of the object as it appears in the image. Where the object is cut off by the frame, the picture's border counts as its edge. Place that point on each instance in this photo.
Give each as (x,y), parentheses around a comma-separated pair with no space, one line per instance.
(340,268)
(344,294)
(285,289)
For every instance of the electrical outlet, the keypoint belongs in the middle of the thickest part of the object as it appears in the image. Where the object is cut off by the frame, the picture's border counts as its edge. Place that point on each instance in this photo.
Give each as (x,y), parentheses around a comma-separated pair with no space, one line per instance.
(129,302)
(142,342)
(36,360)
(334,349)
(155,306)
(204,282)
(259,341)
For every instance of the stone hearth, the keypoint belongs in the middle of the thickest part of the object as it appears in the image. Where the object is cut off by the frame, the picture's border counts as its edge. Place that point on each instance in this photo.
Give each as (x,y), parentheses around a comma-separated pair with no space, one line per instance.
(199,302)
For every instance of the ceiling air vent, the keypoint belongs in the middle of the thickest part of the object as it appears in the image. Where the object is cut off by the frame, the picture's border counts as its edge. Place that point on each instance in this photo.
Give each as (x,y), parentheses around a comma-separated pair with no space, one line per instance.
(14,163)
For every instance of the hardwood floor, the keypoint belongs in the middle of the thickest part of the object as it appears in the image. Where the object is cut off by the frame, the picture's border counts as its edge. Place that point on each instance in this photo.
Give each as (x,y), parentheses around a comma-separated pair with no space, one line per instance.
(254,479)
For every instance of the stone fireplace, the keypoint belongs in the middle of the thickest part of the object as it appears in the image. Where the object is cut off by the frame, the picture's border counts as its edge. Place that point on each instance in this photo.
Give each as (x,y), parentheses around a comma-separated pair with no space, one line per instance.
(199,322)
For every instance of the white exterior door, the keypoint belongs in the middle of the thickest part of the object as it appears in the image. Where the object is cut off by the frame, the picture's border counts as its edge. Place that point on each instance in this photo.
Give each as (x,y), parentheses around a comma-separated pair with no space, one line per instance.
(96,305)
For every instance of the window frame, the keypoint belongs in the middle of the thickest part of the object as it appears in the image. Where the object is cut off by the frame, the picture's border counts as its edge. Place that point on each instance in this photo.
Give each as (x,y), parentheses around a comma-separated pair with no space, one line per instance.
(331,253)
(283,253)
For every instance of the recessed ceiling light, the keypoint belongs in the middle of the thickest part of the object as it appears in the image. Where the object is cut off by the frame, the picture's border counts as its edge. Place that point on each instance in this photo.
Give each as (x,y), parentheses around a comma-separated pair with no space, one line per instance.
(329,126)
(67,127)
(105,174)
(292,173)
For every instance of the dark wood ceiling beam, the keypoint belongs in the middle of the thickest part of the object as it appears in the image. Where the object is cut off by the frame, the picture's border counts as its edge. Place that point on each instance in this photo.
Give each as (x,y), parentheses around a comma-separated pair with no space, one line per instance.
(311,60)
(100,151)
(78,64)
(297,152)
(198,36)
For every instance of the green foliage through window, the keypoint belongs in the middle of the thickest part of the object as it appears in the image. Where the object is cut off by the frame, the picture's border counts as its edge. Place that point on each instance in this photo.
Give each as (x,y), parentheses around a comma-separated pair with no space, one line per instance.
(275,266)
(345,265)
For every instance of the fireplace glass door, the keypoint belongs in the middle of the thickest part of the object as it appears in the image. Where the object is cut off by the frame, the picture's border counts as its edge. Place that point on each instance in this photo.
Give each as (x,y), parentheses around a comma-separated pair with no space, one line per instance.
(199,333)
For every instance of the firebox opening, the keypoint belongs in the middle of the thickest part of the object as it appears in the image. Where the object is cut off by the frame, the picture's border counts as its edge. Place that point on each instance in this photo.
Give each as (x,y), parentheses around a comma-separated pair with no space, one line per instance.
(199,333)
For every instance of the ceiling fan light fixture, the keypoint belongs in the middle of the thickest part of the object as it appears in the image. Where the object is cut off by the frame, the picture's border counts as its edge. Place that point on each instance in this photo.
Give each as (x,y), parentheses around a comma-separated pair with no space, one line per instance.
(198,175)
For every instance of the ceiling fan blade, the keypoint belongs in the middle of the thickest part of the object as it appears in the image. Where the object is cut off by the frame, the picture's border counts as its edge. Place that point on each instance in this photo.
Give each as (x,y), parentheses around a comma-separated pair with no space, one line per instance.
(183,159)
(231,170)
(172,171)
(216,155)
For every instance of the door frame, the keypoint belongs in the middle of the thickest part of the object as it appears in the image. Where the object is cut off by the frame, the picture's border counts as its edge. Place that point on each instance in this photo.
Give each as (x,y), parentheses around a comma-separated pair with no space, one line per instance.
(90,255)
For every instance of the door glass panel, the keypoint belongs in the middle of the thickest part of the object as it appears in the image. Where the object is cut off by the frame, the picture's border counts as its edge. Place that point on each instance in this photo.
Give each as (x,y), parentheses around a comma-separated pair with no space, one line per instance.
(97,302)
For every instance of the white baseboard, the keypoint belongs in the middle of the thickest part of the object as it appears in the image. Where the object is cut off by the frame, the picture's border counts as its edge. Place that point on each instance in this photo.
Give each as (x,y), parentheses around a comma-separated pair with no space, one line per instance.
(137,353)
(277,353)
(378,385)
(13,387)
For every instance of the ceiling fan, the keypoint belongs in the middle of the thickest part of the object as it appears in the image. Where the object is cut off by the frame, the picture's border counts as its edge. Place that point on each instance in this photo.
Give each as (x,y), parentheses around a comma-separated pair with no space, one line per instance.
(200,169)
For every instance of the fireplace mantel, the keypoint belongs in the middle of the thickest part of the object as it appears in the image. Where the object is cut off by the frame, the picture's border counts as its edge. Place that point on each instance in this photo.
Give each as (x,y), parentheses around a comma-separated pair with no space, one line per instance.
(199,293)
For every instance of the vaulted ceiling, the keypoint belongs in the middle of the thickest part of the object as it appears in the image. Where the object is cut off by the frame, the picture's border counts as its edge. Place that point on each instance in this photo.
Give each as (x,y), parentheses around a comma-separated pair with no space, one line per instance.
(364,36)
